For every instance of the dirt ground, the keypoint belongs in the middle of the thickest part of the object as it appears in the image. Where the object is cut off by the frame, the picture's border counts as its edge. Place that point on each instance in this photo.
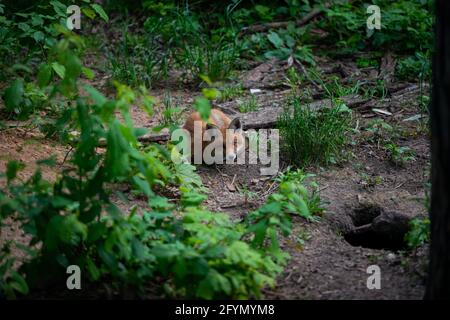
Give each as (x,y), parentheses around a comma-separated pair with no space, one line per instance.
(325,265)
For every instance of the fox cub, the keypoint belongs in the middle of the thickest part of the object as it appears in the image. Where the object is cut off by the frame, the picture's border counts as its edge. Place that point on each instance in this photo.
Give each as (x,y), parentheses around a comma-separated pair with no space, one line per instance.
(218,121)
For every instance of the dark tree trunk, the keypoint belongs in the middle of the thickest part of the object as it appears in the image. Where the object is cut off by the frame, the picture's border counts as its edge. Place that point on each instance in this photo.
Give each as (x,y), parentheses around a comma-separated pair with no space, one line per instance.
(438,286)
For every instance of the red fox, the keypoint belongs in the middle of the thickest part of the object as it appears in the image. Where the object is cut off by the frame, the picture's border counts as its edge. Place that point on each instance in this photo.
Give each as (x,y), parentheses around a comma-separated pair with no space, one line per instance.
(218,120)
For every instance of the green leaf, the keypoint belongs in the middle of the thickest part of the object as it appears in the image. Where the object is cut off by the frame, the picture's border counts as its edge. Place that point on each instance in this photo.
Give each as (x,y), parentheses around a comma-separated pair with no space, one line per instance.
(12,168)
(19,284)
(50,161)
(23,26)
(14,95)
(37,20)
(159,203)
(38,36)
(203,107)
(143,185)
(139,132)
(31,252)
(59,69)
(205,290)
(59,8)
(71,230)
(60,202)
(44,75)
(88,12)
(139,250)
(263,11)
(211,93)
(88,215)
(73,66)
(96,95)
(271,208)
(107,257)
(100,11)
(96,231)
(302,206)
(187,175)
(206,79)
(275,39)
(192,199)
(343,108)
(19,67)
(92,268)
(117,156)
(51,233)
(88,73)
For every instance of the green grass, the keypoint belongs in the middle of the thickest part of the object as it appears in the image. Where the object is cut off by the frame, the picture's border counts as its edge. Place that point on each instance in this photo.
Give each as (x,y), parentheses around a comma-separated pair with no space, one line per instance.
(314,137)
(365,62)
(171,113)
(335,89)
(214,60)
(293,78)
(250,104)
(136,60)
(230,91)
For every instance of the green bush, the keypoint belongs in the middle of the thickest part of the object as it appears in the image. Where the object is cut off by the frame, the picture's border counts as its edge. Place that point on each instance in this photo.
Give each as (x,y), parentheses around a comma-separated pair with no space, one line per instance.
(275,216)
(413,68)
(28,27)
(419,232)
(405,25)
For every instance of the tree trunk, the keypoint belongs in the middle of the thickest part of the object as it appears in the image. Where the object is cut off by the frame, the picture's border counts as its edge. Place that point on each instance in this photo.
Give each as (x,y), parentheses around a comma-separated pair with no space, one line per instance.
(438,284)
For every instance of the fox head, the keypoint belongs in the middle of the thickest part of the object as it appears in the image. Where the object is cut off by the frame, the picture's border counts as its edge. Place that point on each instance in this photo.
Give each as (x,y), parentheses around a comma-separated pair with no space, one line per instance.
(232,138)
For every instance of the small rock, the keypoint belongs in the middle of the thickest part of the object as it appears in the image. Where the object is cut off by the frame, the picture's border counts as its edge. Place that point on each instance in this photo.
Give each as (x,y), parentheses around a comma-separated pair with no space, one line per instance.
(231,187)
(391,256)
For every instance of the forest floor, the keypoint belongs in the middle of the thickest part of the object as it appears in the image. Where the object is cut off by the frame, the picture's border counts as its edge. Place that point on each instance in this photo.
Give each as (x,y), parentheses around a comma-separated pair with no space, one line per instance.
(323,264)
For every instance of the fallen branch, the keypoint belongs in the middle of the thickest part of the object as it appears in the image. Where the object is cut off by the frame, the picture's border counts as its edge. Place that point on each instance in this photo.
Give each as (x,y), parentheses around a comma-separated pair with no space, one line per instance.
(268,117)
(147,138)
(155,137)
(225,108)
(283,24)
(15,124)
(410,89)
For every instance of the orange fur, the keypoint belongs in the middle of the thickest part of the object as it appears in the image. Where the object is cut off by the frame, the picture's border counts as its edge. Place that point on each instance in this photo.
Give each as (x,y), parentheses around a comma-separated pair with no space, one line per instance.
(218,120)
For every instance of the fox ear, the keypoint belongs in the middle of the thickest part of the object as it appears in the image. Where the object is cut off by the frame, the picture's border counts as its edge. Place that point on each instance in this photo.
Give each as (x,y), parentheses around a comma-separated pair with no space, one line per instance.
(235,124)
(211,126)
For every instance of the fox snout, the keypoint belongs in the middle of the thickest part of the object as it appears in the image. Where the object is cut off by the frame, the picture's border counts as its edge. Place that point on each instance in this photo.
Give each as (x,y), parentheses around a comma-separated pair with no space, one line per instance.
(230,157)
(237,145)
